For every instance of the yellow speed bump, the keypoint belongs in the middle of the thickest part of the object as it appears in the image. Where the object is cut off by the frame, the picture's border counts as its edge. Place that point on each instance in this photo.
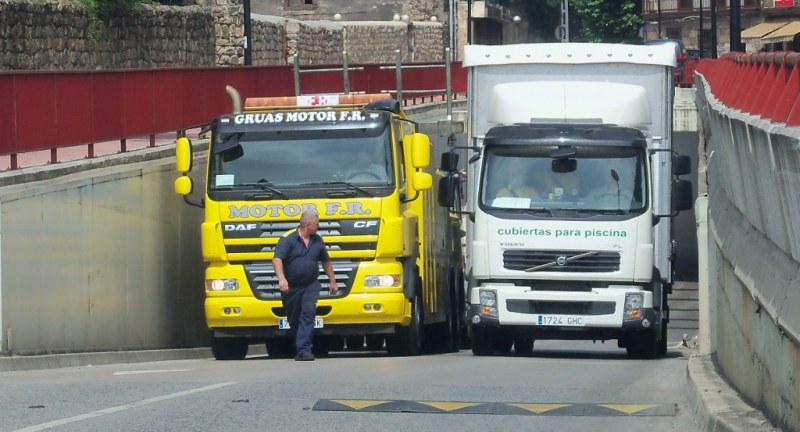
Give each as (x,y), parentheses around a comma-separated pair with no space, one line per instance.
(497,408)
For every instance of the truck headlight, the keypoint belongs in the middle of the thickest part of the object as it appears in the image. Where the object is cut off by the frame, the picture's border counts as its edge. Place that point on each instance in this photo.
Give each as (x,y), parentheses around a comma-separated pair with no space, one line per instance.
(488,303)
(382,281)
(217,285)
(634,302)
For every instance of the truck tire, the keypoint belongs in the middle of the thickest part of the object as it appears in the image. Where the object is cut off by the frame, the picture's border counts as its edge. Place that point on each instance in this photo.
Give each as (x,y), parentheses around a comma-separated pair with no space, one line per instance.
(407,341)
(229,348)
(453,341)
(523,344)
(645,345)
(662,343)
(482,341)
(280,348)
(488,341)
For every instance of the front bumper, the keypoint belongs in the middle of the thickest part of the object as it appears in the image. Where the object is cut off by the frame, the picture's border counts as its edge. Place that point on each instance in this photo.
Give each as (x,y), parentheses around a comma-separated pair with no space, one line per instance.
(221,312)
(600,312)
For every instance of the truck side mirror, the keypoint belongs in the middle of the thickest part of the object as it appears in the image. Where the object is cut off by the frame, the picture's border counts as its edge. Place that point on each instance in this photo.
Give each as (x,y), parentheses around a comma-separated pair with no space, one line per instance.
(183,155)
(422,181)
(449,162)
(682,195)
(183,185)
(446,194)
(420,150)
(681,165)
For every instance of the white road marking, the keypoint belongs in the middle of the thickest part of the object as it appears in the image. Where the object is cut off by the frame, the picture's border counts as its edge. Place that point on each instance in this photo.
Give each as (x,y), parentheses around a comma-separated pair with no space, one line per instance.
(118,408)
(136,372)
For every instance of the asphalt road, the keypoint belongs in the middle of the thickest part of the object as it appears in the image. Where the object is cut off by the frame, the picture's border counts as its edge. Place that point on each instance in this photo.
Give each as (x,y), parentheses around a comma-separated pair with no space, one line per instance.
(563,386)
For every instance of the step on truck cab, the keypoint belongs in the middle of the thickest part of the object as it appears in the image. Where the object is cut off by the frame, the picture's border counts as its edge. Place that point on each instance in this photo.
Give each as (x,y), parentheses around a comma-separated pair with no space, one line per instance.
(359,162)
(571,186)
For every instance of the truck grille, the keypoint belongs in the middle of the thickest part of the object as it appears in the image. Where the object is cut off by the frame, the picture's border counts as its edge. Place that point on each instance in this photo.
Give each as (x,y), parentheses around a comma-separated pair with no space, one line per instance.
(334,232)
(560,307)
(561,261)
(264,283)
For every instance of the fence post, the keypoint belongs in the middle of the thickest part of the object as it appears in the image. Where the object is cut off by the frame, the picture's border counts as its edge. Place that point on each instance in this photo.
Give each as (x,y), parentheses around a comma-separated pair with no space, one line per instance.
(399,74)
(448,88)
(346,73)
(296,74)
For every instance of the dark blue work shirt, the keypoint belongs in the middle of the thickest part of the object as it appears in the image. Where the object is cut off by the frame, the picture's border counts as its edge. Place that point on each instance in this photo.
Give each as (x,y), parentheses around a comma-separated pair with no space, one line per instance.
(301,263)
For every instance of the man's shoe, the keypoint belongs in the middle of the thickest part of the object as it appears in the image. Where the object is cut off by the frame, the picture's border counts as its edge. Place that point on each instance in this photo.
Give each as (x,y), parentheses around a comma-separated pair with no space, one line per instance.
(304,356)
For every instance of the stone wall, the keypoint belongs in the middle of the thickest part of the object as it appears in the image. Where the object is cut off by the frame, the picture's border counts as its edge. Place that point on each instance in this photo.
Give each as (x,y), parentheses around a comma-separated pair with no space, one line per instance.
(61,35)
(317,42)
(47,35)
(427,41)
(375,41)
(269,40)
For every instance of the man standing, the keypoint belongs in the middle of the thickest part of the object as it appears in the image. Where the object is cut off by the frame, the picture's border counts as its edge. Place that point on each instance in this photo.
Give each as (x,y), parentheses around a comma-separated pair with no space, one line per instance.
(296,262)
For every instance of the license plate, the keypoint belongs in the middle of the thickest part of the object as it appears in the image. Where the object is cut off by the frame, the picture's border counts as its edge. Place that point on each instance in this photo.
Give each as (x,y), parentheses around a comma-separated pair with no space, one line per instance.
(283,323)
(560,320)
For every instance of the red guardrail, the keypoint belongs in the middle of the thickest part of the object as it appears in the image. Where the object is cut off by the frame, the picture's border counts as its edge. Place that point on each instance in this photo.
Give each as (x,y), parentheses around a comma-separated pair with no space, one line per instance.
(52,110)
(766,85)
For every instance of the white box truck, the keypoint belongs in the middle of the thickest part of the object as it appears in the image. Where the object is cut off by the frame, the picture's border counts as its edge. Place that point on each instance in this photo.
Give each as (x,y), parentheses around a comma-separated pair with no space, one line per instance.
(571,186)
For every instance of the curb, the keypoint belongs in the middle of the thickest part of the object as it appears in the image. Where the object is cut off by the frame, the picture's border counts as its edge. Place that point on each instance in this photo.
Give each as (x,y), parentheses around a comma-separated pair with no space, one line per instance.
(53,361)
(717,406)
(19,363)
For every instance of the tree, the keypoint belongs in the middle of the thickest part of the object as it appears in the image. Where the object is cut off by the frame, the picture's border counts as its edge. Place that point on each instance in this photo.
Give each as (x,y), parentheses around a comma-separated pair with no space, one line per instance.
(607,20)
(589,20)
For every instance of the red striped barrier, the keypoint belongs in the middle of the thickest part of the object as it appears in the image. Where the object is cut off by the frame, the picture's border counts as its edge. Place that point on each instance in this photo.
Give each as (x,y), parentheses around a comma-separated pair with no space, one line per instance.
(766,85)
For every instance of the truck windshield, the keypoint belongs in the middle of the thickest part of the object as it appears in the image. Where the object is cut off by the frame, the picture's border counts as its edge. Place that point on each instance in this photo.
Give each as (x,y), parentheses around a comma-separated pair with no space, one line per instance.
(593,180)
(297,158)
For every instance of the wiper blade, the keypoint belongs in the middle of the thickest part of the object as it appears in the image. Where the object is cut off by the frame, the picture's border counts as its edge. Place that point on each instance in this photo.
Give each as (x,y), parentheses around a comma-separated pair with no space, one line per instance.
(340,183)
(263,185)
(532,210)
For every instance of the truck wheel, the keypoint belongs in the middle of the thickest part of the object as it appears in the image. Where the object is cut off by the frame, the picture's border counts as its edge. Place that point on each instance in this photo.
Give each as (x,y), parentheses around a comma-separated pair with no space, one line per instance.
(662,343)
(482,341)
(523,344)
(503,340)
(407,341)
(229,348)
(453,343)
(280,347)
(644,346)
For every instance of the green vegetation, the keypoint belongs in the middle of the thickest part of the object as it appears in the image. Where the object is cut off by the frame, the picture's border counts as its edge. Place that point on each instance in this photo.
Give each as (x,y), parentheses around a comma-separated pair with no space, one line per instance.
(608,20)
(589,20)
(100,12)
(104,9)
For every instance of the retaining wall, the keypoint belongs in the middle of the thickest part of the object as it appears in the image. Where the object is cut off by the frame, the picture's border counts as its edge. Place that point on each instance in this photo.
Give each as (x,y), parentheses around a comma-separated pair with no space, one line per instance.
(63,35)
(753,177)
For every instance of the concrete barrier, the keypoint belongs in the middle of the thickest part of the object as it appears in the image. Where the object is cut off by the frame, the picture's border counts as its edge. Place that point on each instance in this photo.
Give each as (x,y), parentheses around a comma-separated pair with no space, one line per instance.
(754,255)
(99,257)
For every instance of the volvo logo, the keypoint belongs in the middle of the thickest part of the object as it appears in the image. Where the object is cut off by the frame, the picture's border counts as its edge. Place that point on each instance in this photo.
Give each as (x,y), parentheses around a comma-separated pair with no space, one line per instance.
(560,261)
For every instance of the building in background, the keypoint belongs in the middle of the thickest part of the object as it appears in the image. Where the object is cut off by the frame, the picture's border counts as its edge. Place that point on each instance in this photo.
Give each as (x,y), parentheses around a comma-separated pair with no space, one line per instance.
(492,21)
(681,19)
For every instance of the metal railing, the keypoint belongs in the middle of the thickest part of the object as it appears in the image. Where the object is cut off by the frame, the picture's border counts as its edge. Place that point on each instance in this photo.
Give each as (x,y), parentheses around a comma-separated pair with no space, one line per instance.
(765,85)
(446,91)
(51,111)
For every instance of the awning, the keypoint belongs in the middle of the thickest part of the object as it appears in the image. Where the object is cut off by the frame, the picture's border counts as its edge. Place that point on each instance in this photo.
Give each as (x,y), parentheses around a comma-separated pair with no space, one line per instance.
(783,34)
(760,30)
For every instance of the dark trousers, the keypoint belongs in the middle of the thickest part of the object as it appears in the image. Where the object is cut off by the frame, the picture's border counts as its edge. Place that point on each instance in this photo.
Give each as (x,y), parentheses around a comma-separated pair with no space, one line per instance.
(300,305)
